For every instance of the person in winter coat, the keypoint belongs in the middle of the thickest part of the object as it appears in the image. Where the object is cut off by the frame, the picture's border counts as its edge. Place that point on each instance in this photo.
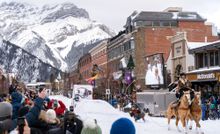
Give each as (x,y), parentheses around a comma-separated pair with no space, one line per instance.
(72,123)
(5,116)
(58,106)
(90,126)
(32,116)
(183,85)
(137,113)
(6,121)
(17,99)
(204,108)
(12,89)
(50,121)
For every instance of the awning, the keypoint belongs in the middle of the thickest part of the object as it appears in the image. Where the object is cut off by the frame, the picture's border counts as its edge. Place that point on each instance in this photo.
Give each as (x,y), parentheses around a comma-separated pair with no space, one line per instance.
(212,80)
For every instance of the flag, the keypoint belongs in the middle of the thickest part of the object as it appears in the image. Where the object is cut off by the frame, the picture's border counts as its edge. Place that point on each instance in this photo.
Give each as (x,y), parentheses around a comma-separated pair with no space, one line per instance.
(123,62)
(89,80)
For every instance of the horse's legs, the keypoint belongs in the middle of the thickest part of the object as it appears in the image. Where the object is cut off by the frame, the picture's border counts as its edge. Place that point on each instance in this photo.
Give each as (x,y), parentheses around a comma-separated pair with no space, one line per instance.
(198,127)
(184,124)
(177,121)
(168,117)
(190,124)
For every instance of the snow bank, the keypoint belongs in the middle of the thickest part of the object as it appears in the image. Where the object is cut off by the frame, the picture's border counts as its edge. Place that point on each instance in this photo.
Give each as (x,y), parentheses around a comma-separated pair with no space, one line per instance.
(105,115)
(100,110)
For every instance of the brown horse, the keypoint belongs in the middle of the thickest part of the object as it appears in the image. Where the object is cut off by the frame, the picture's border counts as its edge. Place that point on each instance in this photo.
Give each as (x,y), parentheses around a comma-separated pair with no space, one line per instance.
(195,112)
(181,112)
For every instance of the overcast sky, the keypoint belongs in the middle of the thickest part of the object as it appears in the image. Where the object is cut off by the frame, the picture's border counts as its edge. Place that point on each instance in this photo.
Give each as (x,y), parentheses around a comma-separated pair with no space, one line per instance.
(113,13)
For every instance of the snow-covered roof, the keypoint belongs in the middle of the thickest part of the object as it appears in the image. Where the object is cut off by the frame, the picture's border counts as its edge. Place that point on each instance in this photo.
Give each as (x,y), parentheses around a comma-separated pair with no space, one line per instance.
(151,16)
(205,69)
(193,45)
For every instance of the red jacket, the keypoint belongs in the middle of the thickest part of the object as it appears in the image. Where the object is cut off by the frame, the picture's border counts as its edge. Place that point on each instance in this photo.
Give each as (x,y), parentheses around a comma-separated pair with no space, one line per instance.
(59,110)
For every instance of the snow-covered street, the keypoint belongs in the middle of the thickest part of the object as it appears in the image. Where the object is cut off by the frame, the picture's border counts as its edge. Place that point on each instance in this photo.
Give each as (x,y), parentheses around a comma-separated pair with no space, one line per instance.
(105,115)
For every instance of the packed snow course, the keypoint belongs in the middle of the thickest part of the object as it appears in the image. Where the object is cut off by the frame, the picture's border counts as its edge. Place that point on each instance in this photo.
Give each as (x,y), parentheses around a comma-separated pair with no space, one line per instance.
(105,115)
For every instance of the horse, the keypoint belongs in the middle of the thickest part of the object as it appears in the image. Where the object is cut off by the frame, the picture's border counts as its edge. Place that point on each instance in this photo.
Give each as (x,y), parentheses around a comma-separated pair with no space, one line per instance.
(196,112)
(180,112)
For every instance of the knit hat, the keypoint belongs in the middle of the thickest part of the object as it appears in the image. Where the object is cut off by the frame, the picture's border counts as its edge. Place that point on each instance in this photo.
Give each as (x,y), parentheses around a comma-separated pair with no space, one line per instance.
(5,110)
(51,116)
(91,127)
(122,126)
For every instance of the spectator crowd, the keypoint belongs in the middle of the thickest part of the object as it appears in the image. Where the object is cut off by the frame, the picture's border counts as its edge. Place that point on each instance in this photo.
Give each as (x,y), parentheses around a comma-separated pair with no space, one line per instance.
(32,112)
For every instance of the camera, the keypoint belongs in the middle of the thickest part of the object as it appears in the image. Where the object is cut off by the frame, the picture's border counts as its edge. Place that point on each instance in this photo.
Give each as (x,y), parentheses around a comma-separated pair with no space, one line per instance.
(71,108)
(21,124)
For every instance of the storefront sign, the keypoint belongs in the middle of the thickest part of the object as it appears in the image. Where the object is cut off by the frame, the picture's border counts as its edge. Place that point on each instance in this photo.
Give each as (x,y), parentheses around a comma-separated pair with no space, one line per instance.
(178,49)
(206,76)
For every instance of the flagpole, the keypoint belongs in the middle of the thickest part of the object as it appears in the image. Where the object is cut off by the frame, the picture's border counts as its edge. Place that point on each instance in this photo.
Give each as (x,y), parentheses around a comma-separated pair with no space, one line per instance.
(129,85)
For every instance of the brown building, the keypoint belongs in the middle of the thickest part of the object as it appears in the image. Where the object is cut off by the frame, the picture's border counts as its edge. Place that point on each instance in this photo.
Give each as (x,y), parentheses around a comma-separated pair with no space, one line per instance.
(74,78)
(119,49)
(85,67)
(152,32)
(206,75)
(99,58)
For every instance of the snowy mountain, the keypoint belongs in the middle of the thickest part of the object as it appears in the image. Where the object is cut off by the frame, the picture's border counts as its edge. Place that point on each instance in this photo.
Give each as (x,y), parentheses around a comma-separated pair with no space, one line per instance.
(25,65)
(51,32)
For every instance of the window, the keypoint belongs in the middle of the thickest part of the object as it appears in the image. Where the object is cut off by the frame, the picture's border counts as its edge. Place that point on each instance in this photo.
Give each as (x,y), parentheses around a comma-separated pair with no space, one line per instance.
(147,23)
(139,23)
(156,23)
(164,23)
(132,44)
(127,46)
(122,48)
(212,63)
(205,59)
(216,58)
(200,60)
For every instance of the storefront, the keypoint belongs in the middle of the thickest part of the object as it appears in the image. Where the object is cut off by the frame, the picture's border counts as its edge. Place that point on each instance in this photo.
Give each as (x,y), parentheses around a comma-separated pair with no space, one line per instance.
(207,82)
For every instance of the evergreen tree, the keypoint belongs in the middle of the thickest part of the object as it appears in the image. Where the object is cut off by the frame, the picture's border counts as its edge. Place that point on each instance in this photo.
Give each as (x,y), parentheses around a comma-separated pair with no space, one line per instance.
(130,63)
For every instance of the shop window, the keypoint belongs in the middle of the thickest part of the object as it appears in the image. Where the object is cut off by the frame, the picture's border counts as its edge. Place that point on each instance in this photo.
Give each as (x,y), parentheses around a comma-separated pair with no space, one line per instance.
(156,23)
(206,59)
(216,58)
(212,59)
(200,60)
(147,23)
(165,23)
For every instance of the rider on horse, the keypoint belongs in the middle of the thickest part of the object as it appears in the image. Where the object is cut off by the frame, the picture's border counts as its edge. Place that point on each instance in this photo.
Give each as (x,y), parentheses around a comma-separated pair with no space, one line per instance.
(183,85)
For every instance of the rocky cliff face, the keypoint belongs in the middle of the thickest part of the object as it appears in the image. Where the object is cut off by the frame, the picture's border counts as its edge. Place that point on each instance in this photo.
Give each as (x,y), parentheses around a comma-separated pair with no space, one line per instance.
(26,66)
(56,34)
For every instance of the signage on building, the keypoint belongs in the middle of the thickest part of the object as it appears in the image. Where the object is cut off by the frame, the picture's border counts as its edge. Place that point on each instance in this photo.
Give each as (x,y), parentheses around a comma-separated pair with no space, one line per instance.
(107,91)
(154,70)
(206,76)
(178,49)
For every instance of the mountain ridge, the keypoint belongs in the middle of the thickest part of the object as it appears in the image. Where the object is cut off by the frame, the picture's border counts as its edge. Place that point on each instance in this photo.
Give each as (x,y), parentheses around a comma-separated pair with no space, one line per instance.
(53,30)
